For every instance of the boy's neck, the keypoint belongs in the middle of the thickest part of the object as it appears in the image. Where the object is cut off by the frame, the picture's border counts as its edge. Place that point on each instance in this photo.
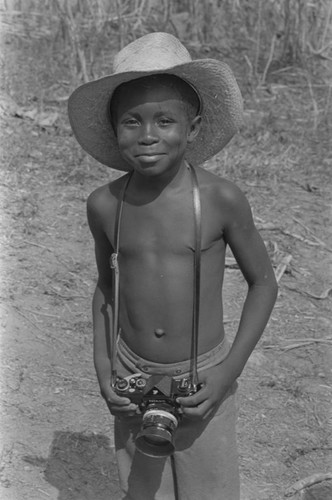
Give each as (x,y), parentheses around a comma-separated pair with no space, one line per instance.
(155,185)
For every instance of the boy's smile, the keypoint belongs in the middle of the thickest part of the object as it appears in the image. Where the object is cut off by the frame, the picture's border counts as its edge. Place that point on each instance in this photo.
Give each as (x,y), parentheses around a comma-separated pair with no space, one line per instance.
(153,128)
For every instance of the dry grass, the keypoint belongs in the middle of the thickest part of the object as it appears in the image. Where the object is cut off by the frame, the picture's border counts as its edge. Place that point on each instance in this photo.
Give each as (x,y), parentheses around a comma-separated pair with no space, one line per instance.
(269,35)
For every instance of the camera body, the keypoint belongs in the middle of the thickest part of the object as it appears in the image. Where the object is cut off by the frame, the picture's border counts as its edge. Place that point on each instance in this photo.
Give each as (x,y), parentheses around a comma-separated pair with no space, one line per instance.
(156,398)
(154,390)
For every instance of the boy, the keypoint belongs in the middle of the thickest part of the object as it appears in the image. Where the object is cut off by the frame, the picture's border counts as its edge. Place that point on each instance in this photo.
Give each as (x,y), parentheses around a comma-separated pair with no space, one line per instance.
(155,116)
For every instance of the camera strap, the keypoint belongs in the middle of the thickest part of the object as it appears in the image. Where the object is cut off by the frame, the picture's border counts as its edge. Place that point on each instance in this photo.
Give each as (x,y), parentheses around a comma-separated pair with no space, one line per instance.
(114,263)
(197,277)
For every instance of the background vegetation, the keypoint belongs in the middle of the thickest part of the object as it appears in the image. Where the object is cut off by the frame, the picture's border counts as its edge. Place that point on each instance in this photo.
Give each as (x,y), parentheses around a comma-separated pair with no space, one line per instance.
(266,36)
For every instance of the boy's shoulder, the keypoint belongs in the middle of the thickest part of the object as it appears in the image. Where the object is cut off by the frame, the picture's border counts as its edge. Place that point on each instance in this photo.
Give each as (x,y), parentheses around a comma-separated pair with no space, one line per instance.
(105,197)
(219,188)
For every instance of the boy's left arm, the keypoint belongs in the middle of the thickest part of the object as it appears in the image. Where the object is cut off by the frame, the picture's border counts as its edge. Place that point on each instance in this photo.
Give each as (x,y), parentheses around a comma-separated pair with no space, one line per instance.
(251,255)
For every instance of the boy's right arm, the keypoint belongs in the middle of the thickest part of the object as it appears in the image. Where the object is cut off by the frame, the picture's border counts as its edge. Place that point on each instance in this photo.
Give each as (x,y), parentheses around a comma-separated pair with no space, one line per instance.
(102,312)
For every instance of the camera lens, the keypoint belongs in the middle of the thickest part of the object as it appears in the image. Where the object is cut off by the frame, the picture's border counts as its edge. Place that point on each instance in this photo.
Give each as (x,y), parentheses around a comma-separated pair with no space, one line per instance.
(155,440)
(156,436)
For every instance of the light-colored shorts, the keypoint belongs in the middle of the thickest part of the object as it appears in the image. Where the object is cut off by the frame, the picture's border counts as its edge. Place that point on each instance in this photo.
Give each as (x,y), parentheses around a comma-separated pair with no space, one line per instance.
(205,462)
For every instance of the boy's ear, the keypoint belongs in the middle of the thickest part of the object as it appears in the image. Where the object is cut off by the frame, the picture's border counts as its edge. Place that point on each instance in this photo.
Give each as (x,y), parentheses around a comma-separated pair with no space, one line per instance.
(194,128)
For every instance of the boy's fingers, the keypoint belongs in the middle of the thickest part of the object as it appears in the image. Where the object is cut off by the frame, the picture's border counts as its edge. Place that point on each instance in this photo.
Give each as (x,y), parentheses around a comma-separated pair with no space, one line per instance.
(122,404)
(124,409)
(118,400)
(193,400)
(197,411)
(123,414)
(114,399)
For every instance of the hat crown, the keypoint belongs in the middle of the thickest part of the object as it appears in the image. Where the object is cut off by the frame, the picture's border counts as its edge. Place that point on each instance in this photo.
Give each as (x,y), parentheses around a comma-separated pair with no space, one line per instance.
(152,52)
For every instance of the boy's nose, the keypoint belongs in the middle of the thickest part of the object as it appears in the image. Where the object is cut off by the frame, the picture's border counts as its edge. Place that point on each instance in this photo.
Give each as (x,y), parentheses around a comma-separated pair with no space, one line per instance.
(148,135)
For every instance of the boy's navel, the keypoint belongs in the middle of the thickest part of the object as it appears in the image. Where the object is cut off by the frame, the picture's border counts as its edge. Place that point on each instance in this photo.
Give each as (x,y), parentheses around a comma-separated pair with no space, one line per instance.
(159,332)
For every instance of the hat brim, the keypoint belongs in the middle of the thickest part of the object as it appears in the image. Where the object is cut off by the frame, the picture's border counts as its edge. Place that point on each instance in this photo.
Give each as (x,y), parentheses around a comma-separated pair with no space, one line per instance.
(89,115)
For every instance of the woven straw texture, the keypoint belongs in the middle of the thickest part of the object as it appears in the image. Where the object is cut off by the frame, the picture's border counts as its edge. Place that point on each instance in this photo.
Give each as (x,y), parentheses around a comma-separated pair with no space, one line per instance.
(156,53)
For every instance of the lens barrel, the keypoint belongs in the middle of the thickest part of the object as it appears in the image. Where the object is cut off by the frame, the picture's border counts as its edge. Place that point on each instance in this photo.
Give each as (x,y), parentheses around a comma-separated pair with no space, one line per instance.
(156,437)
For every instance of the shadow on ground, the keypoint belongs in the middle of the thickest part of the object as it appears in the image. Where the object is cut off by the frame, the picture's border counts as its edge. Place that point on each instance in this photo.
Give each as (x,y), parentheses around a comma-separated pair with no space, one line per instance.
(80,466)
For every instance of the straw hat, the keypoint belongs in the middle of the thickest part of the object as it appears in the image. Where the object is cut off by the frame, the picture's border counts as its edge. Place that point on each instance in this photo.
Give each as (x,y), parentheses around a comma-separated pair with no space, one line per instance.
(158,53)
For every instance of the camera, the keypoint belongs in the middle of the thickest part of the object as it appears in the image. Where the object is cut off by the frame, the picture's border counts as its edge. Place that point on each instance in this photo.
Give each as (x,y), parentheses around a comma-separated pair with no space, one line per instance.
(156,398)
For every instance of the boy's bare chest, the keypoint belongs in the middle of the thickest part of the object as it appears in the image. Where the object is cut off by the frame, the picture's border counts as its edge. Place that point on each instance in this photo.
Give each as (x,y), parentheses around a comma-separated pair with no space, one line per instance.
(166,226)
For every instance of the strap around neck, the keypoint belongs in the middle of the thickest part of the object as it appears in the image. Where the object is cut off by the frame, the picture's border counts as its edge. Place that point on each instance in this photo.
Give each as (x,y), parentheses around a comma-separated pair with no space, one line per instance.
(197,276)
(119,214)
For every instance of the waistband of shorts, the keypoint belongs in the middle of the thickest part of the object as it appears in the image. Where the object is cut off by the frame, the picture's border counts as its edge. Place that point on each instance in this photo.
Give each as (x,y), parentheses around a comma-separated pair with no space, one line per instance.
(135,363)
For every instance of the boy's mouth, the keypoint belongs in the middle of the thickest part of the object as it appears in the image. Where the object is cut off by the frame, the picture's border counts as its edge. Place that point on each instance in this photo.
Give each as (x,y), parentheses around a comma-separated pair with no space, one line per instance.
(149,157)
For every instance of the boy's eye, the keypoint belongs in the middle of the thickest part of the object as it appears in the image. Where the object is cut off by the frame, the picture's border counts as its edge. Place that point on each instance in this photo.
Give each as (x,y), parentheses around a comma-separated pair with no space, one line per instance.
(165,121)
(130,122)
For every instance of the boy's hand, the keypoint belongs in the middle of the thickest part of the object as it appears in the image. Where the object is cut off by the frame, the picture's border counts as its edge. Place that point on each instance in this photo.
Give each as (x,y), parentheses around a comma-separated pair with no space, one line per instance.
(216,382)
(119,406)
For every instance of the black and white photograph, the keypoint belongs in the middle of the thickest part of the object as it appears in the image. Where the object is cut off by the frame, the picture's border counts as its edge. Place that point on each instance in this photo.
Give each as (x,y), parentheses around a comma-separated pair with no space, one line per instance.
(166,250)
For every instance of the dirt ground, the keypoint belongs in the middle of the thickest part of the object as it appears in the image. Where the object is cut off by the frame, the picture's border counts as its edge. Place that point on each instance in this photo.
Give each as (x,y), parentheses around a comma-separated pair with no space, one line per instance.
(56,433)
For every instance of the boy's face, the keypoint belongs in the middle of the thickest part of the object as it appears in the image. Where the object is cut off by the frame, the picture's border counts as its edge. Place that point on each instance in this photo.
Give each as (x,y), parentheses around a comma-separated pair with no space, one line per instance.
(153,126)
